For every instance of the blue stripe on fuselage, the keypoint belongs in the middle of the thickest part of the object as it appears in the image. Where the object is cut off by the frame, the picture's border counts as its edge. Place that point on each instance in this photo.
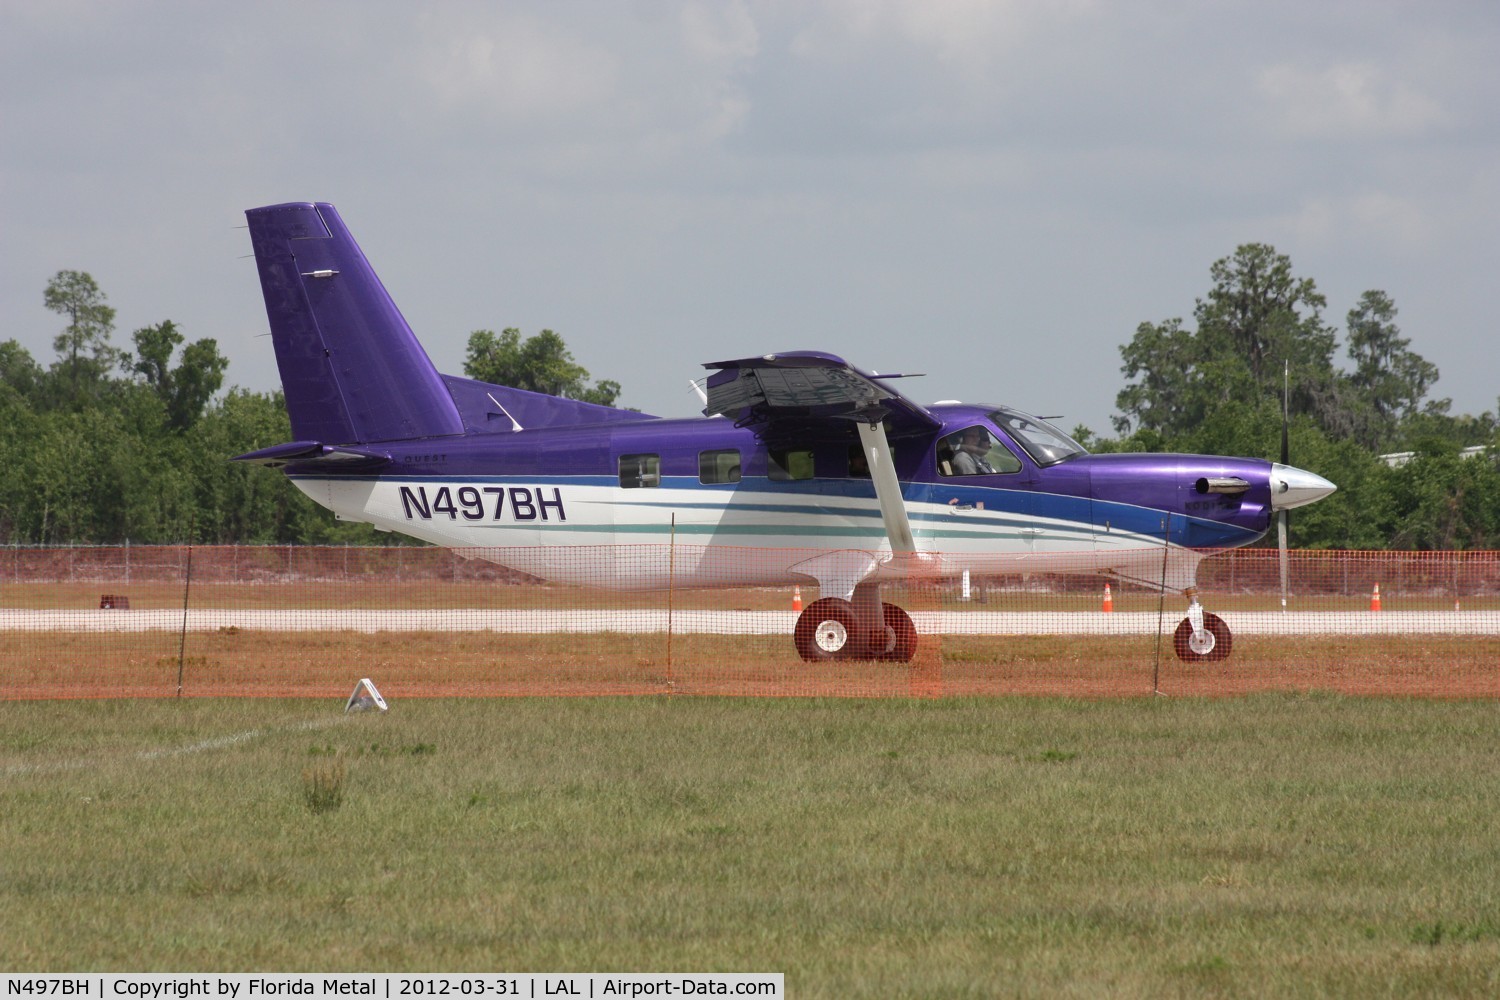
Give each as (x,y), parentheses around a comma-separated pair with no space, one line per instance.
(1003,510)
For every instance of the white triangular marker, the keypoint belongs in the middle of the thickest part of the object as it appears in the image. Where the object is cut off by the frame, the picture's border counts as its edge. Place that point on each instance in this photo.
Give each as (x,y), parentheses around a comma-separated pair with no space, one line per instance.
(365,696)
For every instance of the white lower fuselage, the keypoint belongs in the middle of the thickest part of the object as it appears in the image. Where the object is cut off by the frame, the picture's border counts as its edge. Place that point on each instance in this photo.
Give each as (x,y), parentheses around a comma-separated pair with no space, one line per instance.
(589,531)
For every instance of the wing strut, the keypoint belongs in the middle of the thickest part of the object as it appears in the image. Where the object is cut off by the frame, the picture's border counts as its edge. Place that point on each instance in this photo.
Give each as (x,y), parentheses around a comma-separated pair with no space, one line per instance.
(887,486)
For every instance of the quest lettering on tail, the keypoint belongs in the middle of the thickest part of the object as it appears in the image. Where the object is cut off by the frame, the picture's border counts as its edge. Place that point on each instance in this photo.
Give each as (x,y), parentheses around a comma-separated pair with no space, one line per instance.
(472,503)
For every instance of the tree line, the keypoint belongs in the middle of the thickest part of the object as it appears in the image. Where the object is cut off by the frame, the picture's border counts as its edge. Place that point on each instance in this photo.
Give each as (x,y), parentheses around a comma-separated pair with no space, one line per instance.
(106,444)
(111,444)
(1259,347)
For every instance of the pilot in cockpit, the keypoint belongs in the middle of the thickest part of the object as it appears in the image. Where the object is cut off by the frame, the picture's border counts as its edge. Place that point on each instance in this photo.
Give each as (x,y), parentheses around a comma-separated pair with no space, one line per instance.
(970,454)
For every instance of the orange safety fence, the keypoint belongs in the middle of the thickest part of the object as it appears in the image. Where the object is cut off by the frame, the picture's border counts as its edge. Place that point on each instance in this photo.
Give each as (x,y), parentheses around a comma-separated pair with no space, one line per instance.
(303,621)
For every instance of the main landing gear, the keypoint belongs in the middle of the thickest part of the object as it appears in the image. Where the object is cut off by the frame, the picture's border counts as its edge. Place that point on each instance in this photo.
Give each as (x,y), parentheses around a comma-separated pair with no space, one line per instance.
(831,628)
(1201,637)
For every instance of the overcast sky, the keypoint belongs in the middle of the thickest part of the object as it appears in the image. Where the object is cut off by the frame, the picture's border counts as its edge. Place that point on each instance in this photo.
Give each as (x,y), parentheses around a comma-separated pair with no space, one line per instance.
(993,193)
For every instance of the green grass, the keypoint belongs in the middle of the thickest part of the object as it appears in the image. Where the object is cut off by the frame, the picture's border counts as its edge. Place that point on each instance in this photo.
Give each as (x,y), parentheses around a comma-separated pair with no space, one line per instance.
(1274,845)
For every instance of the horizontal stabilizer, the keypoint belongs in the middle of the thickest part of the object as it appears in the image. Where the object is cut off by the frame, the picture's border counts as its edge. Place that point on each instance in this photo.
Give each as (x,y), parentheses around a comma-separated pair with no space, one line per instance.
(312,453)
(486,408)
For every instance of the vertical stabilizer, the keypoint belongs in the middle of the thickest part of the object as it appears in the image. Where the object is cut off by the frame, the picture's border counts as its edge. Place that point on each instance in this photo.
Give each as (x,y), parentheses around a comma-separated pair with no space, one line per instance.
(351,368)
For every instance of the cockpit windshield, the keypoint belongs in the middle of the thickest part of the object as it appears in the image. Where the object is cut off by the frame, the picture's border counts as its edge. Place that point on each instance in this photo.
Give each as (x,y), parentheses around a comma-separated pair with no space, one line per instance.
(1044,443)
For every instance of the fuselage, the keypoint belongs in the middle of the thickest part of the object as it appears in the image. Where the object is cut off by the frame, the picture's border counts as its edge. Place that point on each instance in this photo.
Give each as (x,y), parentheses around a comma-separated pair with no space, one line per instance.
(704,482)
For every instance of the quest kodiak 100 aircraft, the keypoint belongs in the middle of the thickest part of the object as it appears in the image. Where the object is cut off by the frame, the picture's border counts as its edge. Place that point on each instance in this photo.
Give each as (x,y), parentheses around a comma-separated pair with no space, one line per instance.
(826,471)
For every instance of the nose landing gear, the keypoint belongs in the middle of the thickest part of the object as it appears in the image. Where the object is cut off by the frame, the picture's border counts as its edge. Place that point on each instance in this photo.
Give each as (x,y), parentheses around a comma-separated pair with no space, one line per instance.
(1201,637)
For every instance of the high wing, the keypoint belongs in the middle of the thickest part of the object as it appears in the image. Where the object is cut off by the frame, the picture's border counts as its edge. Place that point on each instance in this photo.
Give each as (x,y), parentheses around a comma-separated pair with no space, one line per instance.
(809,387)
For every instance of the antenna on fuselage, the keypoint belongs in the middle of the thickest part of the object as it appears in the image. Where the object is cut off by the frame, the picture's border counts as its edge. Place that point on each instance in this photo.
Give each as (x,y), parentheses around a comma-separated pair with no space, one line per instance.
(515,424)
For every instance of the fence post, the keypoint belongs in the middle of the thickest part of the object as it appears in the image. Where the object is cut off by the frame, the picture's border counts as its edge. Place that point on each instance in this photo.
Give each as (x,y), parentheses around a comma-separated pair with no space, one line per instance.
(1457,579)
(1161,601)
(187,586)
(671,594)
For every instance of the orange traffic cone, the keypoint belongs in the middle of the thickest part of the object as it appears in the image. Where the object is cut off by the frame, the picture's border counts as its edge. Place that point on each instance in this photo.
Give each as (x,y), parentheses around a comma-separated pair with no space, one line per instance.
(796,598)
(1109,600)
(1375,599)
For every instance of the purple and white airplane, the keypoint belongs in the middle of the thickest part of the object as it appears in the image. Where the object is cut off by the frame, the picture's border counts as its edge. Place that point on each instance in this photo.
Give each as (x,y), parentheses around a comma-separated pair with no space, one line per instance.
(831,473)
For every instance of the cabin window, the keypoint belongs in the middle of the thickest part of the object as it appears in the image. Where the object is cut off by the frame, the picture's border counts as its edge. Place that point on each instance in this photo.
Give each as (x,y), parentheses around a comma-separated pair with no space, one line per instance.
(638,471)
(721,466)
(974,451)
(786,465)
(859,463)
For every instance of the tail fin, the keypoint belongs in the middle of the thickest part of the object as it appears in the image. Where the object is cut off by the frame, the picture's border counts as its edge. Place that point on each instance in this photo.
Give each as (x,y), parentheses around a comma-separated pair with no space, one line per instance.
(351,368)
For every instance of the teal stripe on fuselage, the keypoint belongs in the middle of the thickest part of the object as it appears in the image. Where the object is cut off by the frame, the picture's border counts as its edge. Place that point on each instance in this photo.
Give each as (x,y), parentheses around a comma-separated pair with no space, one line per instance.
(1055,514)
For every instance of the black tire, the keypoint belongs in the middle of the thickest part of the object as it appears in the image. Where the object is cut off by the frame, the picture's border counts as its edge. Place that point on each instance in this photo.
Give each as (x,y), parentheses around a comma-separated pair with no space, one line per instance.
(900,639)
(826,631)
(1214,626)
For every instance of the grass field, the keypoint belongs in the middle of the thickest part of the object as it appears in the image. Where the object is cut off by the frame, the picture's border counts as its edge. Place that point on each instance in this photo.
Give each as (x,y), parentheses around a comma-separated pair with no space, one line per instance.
(1269,845)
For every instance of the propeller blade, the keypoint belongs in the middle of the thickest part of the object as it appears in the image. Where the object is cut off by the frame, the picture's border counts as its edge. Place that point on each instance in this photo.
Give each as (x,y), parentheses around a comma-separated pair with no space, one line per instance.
(1281,552)
(1285,421)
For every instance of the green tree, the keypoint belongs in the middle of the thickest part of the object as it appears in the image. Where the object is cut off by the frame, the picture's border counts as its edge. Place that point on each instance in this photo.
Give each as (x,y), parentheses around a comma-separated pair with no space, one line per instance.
(1261,313)
(1257,317)
(103,459)
(1258,322)
(242,503)
(1217,389)
(1439,500)
(252,504)
(1162,359)
(187,388)
(18,370)
(541,363)
(1434,427)
(85,355)
(1390,379)
(17,445)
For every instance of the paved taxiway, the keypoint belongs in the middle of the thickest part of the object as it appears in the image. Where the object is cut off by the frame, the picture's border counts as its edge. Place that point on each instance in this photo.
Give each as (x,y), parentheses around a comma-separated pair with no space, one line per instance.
(739,622)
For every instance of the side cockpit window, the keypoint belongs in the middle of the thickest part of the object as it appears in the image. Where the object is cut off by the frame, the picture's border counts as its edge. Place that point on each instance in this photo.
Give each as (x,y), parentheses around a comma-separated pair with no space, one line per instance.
(973,451)
(1044,443)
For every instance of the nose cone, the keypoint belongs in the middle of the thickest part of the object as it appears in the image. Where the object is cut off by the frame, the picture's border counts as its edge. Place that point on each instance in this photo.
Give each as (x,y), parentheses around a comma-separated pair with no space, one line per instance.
(1296,487)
